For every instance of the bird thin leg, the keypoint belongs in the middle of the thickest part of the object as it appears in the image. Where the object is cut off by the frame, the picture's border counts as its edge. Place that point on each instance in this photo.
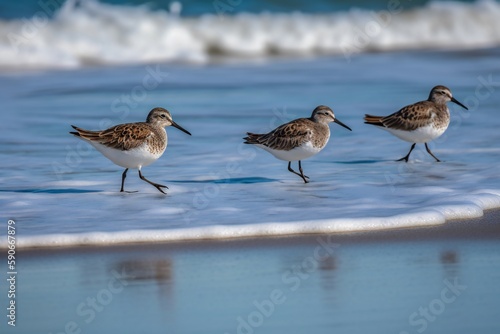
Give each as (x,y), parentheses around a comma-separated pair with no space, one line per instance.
(301,172)
(429,151)
(124,175)
(156,185)
(408,155)
(291,170)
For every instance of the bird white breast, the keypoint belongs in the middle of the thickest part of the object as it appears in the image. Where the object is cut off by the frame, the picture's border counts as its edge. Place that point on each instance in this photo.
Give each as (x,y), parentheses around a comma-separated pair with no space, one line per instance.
(302,152)
(134,158)
(421,135)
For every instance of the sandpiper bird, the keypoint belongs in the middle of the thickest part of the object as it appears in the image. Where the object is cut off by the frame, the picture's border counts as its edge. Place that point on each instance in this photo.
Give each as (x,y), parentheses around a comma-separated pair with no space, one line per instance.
(299,139)
(420,122)
(133,145)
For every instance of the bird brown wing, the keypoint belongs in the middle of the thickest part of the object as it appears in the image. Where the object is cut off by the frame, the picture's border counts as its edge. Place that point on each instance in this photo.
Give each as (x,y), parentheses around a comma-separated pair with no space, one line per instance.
(284,137)
(373,120)
(410,117)
(123,137)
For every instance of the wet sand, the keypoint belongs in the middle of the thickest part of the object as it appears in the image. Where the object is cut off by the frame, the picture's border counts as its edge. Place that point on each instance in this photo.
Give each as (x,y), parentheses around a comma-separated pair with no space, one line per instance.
(440,279)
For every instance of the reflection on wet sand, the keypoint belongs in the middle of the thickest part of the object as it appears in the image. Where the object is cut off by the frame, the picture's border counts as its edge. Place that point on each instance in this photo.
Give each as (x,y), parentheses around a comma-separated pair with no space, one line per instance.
(301,270)
(450,262)
(327,269)
(143,271)
(329,264)
(449,257)
(138,270)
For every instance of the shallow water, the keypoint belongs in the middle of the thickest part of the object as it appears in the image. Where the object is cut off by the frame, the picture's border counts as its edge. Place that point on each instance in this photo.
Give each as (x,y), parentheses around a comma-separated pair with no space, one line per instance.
(53,183)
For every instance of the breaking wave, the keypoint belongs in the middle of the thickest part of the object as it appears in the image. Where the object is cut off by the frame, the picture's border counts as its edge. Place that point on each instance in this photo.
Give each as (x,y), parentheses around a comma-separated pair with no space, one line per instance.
(86,33)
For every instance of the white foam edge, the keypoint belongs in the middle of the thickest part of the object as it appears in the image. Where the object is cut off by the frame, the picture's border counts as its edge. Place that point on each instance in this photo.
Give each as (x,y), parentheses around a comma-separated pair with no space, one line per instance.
(432,216)
(221,232)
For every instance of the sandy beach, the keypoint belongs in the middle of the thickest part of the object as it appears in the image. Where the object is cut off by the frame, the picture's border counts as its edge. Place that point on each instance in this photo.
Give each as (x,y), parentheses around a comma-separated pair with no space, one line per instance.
(440,279)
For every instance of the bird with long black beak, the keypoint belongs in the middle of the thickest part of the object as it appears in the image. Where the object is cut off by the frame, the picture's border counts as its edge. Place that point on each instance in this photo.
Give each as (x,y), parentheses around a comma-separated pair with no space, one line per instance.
(299,139)
(133,145)
(420,122)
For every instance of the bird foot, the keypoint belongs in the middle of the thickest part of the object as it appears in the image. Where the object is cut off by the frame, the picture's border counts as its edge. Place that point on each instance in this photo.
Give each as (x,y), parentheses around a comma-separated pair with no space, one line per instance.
(159,186)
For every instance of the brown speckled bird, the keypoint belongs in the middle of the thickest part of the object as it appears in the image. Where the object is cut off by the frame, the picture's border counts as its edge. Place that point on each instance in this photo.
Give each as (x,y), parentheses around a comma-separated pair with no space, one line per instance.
(299,139)
(420,122)
(133,145)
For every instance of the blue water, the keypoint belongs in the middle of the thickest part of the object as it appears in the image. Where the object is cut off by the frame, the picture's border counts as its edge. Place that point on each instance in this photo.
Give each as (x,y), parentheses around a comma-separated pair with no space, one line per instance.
(53,184)
(88,33)
(27,8)
(263,63)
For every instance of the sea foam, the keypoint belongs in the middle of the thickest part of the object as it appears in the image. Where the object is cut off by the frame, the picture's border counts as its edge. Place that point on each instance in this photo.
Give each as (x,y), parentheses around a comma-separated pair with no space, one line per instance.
(91,33)
(471,207)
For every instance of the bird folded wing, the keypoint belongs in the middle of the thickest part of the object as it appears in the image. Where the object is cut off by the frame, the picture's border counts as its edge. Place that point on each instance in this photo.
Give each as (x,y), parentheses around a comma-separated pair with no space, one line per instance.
(286,137)
(125,137)
(409,118)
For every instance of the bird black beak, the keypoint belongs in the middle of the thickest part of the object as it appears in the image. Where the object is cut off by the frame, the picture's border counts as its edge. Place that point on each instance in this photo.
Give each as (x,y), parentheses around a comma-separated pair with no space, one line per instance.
(460,104)
(175,125)
(342,124)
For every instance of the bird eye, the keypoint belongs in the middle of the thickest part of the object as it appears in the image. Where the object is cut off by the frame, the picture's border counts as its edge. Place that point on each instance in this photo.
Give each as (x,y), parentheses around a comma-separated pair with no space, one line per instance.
(162,115)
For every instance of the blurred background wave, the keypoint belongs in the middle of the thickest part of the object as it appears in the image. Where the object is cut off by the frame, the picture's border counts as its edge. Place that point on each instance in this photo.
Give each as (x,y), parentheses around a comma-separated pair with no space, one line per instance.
(73,34)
